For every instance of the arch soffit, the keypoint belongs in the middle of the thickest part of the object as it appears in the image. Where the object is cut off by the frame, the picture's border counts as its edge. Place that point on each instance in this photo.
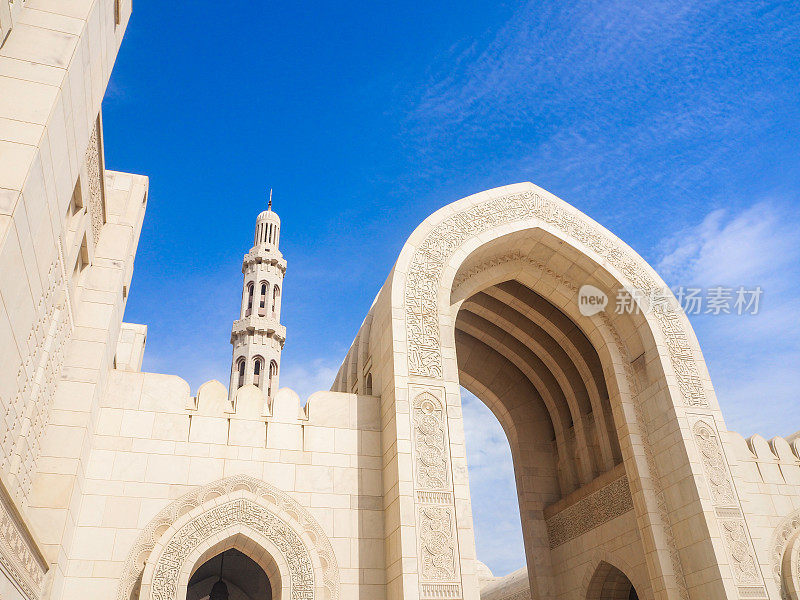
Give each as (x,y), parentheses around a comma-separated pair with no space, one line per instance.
(599,329)
(422,279)
(187,507)
(251,543)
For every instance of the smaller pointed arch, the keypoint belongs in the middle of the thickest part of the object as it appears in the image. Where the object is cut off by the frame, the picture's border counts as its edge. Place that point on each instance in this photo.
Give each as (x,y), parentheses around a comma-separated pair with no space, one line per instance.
(262,298)
(258,371)
(610,583)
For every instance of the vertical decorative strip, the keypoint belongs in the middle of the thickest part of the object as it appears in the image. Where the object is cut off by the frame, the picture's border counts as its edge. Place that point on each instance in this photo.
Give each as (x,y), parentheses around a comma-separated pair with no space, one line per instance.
(436,520)
(746,573)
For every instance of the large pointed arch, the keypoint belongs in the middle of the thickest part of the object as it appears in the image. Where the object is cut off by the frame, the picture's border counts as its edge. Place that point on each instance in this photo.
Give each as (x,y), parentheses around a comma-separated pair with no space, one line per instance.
(623,391)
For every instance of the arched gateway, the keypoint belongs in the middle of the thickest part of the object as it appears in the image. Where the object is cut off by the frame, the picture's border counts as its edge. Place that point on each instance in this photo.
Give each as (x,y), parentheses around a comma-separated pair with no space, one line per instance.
(615,431)
(241,513)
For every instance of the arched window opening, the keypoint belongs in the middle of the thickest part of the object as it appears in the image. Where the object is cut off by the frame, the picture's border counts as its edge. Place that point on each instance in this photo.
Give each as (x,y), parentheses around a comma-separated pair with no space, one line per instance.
(249,308)
(368,385)
(262,301)
(240,368)
(276,296)
(257,368)
(277,235)
(240,577)
(273,377)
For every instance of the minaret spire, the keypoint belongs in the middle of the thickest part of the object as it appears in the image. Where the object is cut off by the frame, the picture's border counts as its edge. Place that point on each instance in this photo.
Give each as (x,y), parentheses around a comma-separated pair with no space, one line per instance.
(257,335)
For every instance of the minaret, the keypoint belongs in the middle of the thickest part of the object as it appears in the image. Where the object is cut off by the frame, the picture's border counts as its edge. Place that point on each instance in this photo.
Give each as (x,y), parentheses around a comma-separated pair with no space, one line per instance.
(258,336)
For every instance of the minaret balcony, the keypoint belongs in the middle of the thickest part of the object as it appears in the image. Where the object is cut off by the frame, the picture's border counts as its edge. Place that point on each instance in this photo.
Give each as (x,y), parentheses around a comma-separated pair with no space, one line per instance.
(268,326)
(264,256)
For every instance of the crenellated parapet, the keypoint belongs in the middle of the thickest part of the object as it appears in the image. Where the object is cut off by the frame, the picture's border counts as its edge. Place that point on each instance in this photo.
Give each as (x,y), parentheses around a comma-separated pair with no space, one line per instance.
(776,461)
(166,411)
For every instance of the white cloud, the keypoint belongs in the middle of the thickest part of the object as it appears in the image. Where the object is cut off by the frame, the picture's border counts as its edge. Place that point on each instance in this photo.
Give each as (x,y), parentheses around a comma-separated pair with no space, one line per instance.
(753,359)
(308,378)
(754,246)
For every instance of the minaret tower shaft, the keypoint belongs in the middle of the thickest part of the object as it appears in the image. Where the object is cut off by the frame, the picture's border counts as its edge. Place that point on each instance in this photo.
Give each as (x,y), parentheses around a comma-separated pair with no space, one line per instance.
(257,335)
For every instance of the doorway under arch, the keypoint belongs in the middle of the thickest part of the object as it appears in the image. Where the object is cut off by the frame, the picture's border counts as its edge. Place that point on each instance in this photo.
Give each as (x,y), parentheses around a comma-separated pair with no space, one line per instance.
(542,378)
(609,583)
(244,578)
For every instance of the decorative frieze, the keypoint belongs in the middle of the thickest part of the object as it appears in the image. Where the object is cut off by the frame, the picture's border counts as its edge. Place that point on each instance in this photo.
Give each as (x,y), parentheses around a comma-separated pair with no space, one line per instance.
(434,497)
(18,552)
(440,591)
(94,180)
(590,512)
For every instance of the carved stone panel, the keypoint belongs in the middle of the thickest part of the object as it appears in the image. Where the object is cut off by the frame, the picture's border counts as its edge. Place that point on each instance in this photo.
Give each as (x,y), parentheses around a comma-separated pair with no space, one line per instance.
(94,175)
(592,511)
(430,443)
(745,569)
(437,543)
(18,555)
(714,466)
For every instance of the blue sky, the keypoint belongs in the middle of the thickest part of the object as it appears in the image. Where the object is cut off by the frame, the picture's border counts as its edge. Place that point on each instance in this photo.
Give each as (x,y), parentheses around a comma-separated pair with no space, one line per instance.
(676,124)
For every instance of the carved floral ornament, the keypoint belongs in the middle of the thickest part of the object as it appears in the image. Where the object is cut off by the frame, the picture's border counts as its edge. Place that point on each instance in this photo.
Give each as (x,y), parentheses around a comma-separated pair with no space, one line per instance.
(437,543)
(424,276)
(734,530)
(430,443)
(172,537)
(786,557)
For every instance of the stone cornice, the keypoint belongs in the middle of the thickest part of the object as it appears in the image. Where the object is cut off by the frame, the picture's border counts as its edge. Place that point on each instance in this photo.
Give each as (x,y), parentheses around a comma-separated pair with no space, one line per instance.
(264,325)
(264,257)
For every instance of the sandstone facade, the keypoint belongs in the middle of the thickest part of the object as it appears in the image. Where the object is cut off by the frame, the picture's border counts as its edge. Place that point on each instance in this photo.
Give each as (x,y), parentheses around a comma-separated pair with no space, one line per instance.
(122,484)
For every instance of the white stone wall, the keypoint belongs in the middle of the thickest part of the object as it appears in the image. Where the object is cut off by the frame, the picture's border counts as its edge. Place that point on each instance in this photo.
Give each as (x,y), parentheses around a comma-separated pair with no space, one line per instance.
(767,474)
(60,248)
(153,443)
(130,347)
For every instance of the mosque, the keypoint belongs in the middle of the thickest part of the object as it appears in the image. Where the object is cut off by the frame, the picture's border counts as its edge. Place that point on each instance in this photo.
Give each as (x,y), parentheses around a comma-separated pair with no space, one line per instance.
(122,485)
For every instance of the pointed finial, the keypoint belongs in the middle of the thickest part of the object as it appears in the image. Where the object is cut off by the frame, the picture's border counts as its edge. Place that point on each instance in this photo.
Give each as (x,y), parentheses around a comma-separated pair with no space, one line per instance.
(269,206)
